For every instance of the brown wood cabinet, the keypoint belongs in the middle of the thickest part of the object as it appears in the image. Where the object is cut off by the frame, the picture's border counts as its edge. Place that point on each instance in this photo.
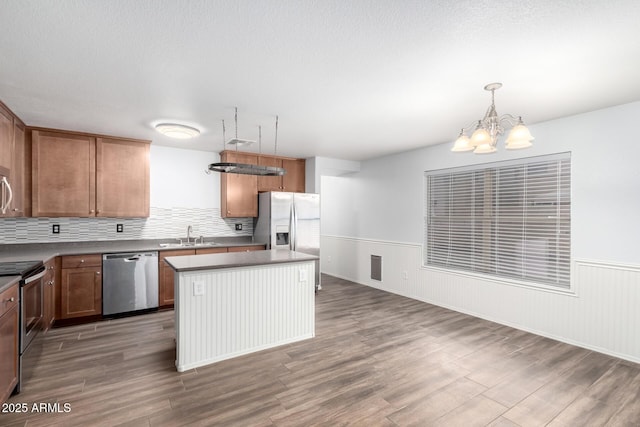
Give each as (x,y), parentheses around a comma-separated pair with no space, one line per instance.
(81,286)
(50,280)
(63,174)
(9,338)
(238,193)
(21,172)
(6,138)
(293,180)
(122,178)
(165,277)
(83,175)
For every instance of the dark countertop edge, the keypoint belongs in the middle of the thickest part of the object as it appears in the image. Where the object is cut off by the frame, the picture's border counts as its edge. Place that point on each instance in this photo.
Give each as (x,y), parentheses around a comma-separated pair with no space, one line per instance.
(7,281)
(187,263)
(50,250)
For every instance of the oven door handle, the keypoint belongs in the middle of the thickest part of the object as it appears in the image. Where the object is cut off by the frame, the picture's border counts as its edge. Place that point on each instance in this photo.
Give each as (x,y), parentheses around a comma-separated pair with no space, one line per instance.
(38,276)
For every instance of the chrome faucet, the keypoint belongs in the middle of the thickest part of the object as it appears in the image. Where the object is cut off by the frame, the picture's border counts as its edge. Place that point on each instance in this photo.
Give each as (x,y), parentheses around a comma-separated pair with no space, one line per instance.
(189,231)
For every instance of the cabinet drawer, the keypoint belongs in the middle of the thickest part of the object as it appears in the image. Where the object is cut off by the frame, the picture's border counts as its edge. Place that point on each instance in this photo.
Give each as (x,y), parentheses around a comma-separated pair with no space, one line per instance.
(8,299)
(77,261)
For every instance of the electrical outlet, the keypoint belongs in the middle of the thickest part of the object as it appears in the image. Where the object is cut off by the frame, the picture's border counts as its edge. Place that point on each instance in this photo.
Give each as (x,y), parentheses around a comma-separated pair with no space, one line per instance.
(55,229)
(302,275)
(238,227)
(198,289)
(329,259)
(405,275)
(119,228)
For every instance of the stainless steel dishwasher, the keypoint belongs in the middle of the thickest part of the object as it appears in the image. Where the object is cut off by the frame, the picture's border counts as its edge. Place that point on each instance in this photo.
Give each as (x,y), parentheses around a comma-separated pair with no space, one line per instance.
(129,282)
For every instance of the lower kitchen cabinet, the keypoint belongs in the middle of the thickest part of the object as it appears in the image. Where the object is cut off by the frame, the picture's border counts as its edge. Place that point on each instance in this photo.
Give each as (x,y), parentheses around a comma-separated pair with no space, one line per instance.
(165,277)
(49,303)
(8,341)
(81,286)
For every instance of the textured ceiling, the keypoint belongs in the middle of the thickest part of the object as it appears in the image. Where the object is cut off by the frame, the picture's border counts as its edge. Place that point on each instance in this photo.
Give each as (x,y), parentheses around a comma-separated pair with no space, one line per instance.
(349,79)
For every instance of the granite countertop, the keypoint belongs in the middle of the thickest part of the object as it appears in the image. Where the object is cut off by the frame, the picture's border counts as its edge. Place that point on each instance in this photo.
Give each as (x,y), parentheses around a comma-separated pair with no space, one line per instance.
(6,281)
(47,251)
(236,259)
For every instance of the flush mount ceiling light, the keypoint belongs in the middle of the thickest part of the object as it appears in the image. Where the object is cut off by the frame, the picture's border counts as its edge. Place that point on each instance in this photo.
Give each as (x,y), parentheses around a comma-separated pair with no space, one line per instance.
(244,168)
(486,133)
(175,130)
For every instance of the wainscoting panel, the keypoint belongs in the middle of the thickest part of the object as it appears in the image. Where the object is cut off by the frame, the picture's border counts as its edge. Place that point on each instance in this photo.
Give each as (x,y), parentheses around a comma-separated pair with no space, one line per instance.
(242,310)
(601,313)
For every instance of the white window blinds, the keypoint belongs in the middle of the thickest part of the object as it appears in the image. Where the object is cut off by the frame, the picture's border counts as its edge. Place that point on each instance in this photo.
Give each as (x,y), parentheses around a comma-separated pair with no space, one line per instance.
(507,219)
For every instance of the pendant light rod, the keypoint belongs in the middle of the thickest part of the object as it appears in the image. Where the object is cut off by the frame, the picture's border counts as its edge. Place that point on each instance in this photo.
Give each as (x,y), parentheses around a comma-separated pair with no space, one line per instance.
(244,168)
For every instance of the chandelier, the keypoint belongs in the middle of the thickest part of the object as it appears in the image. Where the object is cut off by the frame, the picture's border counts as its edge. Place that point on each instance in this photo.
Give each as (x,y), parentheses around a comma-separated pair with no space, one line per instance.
(485,136)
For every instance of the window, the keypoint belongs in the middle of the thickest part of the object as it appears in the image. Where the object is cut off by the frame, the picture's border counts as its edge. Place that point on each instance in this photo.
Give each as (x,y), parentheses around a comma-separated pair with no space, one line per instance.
(507,219)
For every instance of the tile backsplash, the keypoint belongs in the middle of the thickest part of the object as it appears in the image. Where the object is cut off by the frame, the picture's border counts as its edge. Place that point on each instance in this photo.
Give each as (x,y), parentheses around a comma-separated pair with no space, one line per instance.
(163,223)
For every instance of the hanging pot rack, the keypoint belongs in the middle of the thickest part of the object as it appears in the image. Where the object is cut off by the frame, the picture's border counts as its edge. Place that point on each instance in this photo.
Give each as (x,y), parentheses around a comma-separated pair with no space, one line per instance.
(245,168)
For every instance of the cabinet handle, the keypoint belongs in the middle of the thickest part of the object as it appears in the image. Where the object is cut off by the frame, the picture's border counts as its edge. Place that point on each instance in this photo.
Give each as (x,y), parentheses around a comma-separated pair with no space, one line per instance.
(98,273)
(5,202)
(81,260)
(91,211)
(12,299)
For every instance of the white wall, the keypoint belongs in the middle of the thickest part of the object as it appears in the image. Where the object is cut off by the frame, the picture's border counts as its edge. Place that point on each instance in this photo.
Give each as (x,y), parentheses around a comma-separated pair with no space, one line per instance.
(381,209)
(178,178)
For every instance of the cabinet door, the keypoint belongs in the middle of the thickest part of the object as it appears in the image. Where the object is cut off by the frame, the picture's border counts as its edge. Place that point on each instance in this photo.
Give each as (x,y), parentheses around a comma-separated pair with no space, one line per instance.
(239,193)
(122,178)
(294,179)
(21,172)
(270,183)
(6,140)
(63,173)
(165,276)
(81,290)
(8,352)
(49,309)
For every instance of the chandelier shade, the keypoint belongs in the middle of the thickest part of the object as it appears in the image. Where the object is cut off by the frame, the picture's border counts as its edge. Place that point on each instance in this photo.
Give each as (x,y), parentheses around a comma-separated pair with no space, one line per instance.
(487,131)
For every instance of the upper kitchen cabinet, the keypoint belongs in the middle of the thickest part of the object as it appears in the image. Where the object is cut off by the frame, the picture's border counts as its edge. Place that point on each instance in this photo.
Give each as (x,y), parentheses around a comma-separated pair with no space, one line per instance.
(122,178)
(63,174)
(82,175)
(21,172)
(291,181)
(238,193)
(6,140)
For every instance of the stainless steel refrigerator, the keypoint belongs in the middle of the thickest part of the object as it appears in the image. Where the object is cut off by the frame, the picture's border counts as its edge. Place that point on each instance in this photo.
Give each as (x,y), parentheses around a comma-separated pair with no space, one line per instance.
(290,221)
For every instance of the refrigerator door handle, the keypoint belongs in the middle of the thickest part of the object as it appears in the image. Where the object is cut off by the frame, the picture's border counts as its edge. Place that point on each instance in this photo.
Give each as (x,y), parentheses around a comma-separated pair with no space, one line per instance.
(292,228)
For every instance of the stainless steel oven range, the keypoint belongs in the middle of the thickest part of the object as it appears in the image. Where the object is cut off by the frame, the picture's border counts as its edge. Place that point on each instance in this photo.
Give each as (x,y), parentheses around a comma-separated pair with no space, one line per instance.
(31,312)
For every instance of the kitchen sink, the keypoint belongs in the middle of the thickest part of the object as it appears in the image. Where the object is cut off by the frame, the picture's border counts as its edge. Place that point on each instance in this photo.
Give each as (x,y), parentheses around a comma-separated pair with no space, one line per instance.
(188,245)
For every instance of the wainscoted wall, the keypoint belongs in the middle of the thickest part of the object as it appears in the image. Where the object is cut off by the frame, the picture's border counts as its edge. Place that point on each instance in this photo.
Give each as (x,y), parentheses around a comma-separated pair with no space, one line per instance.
(242,310)
(162,223)
(601,314)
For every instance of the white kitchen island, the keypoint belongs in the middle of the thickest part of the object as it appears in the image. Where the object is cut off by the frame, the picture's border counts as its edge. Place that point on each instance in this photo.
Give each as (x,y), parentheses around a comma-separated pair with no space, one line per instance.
(230,304)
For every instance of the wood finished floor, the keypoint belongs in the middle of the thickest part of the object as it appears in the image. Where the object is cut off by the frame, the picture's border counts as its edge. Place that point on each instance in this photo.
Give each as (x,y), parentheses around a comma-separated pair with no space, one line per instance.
(378,359)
